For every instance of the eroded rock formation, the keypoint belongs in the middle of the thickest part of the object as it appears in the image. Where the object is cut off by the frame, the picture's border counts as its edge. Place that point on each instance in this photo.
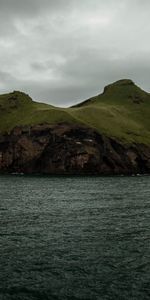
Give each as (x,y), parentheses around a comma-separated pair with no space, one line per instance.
(69,149)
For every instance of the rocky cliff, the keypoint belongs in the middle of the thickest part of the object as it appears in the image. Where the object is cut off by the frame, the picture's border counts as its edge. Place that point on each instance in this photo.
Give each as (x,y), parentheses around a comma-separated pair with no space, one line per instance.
(69,149)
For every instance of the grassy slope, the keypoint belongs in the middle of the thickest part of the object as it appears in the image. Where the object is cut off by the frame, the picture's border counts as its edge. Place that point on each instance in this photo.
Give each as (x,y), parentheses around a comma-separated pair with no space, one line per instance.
(122,111)
(18,109)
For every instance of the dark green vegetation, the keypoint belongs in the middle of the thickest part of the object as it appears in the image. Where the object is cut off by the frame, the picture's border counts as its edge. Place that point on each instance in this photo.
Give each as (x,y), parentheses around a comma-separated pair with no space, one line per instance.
(121,111)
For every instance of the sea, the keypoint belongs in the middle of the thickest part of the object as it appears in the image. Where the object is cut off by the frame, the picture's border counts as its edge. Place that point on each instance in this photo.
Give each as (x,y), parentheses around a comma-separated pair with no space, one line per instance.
(74,238)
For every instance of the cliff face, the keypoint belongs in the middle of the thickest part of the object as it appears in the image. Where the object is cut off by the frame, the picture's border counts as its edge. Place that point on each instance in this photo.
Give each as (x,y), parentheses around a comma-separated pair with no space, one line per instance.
(69,149)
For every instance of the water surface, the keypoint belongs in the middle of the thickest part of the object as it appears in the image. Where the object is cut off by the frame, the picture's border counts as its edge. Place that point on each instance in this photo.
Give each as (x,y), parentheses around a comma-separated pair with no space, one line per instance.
(74,238)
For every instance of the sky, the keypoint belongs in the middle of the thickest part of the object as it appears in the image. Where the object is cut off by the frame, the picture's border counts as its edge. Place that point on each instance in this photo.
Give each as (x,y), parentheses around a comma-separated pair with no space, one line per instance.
(65,51)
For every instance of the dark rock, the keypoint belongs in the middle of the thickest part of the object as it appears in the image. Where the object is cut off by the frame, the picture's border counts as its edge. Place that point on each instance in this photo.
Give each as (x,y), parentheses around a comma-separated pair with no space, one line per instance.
(69,149)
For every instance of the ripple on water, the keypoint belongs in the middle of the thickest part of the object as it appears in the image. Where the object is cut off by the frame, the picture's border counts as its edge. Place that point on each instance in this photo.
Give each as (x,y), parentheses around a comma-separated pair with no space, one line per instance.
(74,238)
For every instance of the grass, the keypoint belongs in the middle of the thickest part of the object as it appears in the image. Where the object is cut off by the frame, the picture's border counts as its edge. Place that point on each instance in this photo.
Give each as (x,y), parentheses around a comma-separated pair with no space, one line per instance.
(18,109)
(122,111)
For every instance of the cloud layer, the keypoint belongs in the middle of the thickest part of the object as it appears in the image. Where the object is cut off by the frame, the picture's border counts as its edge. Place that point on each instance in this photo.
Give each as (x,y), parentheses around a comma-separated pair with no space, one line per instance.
(64,51)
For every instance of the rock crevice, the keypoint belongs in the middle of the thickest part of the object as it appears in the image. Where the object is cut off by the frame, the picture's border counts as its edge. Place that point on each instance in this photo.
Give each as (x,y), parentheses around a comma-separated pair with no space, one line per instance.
(69,149)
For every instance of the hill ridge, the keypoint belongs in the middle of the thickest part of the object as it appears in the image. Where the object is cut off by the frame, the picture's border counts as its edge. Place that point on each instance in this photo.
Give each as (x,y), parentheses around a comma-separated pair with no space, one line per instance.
(122,111)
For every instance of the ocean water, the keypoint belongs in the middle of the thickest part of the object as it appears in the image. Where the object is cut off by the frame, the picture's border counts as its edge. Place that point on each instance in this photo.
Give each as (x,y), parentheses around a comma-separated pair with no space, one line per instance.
(74,238)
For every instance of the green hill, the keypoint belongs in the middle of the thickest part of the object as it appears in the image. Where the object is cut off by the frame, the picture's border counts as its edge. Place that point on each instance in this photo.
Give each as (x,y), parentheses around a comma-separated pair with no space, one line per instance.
(121,111)
(18,108)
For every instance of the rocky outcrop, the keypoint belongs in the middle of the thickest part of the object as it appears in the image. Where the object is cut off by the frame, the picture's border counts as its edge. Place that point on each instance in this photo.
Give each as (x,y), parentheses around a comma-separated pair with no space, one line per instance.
(69,149)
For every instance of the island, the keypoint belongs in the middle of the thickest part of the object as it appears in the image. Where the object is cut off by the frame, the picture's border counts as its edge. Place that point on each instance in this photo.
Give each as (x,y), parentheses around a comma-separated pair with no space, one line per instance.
(108,134)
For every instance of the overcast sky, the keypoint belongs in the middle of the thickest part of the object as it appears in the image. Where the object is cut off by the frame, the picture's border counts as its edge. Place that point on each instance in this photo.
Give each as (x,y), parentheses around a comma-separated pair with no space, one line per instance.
(64,51)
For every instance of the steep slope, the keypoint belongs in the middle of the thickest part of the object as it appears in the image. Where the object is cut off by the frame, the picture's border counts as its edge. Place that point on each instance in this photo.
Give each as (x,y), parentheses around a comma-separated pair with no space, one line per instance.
(69,149)
(121,111)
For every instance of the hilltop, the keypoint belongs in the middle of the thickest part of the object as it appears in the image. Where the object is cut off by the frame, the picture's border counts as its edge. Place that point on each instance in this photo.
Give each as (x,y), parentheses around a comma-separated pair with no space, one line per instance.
(122,111)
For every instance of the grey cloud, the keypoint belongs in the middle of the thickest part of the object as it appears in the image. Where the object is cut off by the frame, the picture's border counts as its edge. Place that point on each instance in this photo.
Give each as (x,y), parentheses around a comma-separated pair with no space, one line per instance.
(65,51)
(39,66)
(4,76)
(28,6)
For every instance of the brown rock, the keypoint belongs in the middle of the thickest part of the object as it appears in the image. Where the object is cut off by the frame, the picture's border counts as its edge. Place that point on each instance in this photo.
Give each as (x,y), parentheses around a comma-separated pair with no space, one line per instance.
(69,149)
